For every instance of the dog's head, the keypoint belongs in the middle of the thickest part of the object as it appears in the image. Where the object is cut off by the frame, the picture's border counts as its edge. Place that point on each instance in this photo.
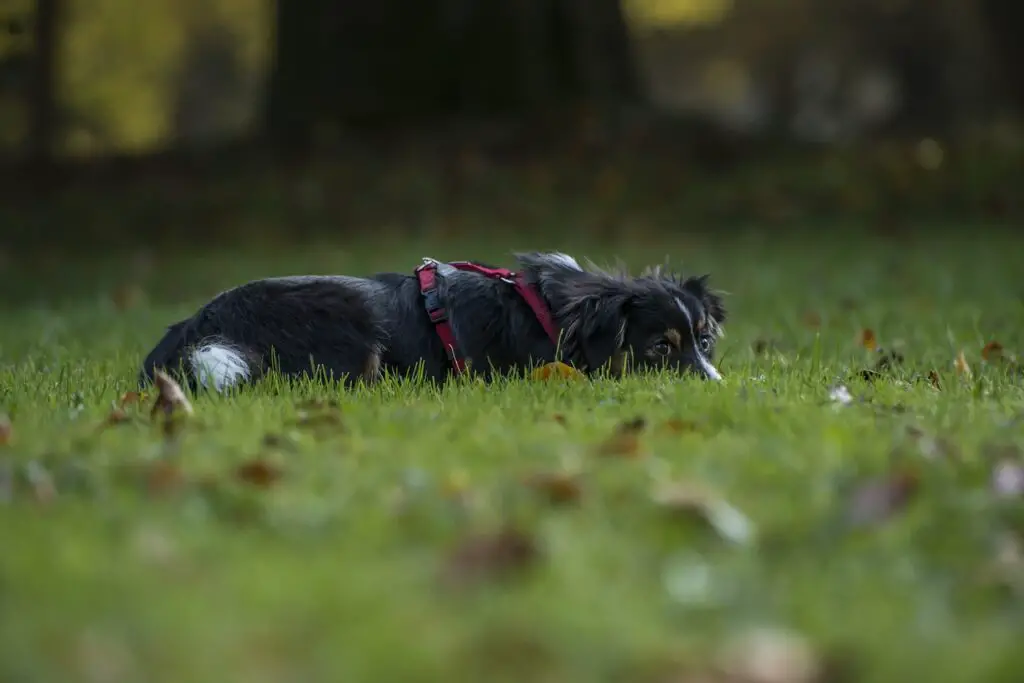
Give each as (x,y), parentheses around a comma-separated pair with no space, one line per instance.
(656,320)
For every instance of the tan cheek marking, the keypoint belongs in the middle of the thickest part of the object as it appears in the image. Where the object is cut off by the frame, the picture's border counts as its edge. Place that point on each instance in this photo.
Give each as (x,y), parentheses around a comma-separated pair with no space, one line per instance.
(674,338)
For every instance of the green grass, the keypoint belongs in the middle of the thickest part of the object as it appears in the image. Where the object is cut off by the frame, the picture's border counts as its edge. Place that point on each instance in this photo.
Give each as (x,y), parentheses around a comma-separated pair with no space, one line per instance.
(335,572)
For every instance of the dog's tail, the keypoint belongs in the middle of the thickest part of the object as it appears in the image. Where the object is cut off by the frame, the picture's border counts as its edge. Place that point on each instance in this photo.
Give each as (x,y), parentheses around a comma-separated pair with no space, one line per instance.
(208,362)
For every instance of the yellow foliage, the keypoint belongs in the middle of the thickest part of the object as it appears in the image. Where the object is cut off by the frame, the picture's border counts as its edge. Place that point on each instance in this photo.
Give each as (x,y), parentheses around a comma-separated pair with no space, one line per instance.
(120,60)
(653,14)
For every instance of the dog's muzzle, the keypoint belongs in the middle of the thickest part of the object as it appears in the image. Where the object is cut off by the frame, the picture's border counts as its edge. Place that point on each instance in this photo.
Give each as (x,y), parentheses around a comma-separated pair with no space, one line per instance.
(705,369)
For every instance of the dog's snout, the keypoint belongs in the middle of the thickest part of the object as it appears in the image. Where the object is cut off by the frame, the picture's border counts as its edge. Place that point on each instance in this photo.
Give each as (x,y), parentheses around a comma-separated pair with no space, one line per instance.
(706,370)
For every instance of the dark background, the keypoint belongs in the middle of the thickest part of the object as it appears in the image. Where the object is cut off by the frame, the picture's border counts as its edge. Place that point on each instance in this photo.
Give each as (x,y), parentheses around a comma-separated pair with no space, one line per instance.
(126,122)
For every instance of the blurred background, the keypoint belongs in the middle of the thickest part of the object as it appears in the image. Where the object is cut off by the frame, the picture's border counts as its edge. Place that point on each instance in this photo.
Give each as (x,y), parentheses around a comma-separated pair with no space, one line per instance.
(126,122)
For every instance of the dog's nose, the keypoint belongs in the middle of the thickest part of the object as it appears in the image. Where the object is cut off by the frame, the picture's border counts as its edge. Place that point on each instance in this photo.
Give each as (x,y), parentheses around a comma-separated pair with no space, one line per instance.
(707,370)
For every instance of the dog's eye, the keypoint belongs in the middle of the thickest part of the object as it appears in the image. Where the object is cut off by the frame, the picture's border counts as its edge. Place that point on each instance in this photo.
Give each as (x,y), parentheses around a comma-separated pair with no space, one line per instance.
(705,343)
(662,348)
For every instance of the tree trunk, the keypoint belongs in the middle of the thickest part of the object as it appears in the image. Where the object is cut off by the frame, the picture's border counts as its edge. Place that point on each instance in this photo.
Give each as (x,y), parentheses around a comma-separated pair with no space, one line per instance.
(43,86)
(1004,20)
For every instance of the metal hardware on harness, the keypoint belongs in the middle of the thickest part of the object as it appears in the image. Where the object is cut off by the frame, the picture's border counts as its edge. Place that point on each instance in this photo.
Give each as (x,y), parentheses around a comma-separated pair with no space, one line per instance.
(427,274)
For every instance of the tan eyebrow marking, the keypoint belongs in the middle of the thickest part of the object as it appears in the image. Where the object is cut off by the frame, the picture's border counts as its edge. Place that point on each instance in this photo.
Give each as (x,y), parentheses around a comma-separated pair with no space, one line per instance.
(674,338)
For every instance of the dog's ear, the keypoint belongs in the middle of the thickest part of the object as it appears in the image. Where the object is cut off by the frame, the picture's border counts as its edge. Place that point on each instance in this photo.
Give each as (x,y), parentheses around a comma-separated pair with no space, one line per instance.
(710,299)
(595,318)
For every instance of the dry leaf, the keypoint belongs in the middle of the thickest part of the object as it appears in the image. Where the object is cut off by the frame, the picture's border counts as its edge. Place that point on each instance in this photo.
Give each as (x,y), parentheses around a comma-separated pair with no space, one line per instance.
(933,377)
(559,418)
(678,426)
(812,319)
(259,473)
(1008,479)
(556,371)
(868,340)
(708,507)
(486,556)
(625,440)
(879,499)
(961,365)
(170,398)
(163,477)
(131,397)
(117,416)
(6,430)
(992,351)
(558,488)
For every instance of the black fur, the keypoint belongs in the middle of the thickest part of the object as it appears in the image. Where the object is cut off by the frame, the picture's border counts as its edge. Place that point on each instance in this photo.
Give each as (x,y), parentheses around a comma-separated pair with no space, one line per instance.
(353,328)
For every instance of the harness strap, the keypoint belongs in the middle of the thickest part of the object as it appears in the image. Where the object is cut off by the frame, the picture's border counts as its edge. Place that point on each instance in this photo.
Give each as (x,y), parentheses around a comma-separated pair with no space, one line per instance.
(427,276)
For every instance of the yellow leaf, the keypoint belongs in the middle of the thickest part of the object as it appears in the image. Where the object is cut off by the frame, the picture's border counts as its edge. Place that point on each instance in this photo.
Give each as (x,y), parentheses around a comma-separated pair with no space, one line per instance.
(556,371)
(868,339)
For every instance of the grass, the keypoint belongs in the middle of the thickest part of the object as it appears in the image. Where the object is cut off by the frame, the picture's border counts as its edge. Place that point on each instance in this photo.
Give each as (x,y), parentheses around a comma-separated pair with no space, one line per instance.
(127,555)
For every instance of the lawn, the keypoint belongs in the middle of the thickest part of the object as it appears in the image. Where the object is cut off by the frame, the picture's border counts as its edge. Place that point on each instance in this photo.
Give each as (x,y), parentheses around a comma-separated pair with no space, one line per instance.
(774,527)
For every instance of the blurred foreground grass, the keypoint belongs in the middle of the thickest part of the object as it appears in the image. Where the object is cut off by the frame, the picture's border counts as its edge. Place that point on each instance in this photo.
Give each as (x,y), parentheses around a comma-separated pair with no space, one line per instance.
(307,534)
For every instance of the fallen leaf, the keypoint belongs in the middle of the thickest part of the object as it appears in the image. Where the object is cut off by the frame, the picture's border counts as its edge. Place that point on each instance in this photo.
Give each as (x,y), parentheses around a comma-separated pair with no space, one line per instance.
(812,319)
(117,416)
(131,397)
(706,506)
(678,426)
(961,365)
(625,440)
(769,655)
(163,477)
(491,556)
(868,340)
(877,500)
(933,377)
(559,418)
(1008,478)
(559,488)
(170,398)
(6,430)
(551,371)
(992,351)
(259,473)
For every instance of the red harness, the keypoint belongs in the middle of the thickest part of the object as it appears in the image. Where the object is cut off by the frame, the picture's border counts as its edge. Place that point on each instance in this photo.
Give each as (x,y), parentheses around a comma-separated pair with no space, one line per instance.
(427,276)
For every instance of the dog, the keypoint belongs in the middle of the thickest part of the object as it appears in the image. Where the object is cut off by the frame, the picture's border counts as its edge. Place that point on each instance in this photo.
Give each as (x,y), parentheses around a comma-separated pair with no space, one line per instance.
(445,319)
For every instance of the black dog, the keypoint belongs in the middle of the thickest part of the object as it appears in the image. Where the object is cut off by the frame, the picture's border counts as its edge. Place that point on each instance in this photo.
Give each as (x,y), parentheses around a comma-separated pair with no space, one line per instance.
(444,317)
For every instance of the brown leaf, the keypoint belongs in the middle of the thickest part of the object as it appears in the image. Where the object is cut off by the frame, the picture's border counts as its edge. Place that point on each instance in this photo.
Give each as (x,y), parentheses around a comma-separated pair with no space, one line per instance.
(552,371)
(131,398)
(678,426)
(170,398)
(992,351)
(163,477)
(961,365)
(259,473)
(491,556)
(625,440)
(117,416)
(812,320)
(6,430)
(880,499)
(559,418)
(867,339)
(559,488)
(933,377)
(1008,478)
